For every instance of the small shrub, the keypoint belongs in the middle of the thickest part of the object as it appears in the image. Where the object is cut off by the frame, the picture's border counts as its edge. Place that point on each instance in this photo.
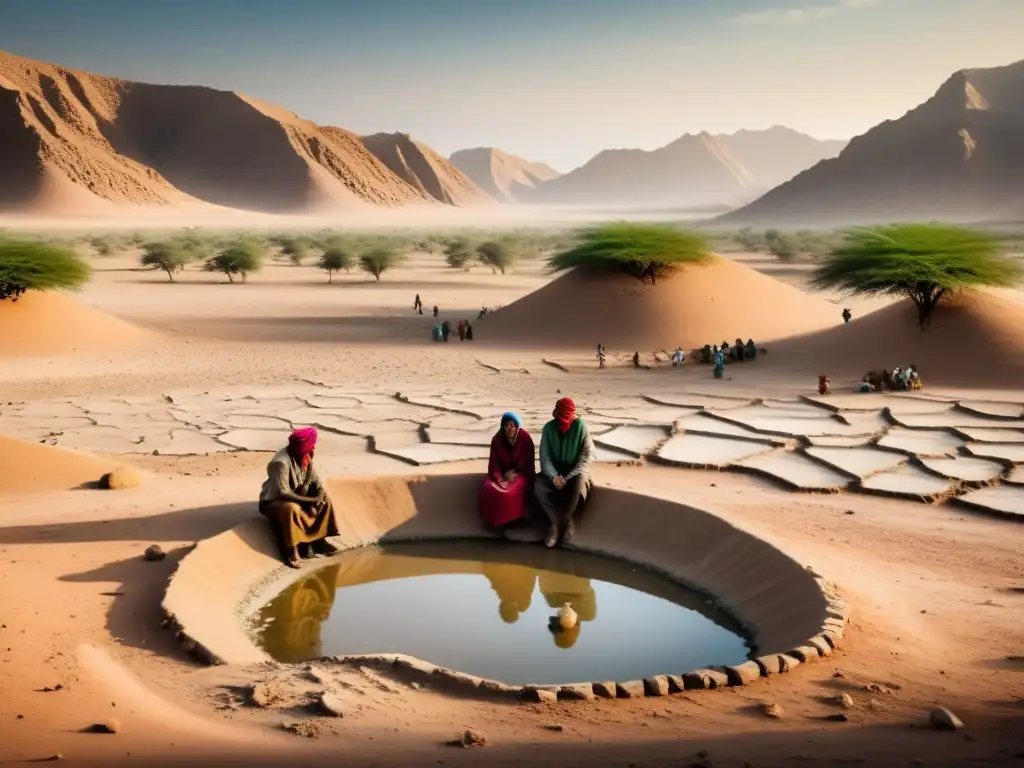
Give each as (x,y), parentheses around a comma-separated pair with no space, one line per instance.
(378,260)
(496,255)
(167,256)
(334,260)
(26,266)
(240,259)
(458,253)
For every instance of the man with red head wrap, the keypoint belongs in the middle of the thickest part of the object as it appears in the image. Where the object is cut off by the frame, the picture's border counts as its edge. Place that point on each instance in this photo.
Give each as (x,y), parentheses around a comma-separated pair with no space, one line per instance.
(566,452)
(294,500)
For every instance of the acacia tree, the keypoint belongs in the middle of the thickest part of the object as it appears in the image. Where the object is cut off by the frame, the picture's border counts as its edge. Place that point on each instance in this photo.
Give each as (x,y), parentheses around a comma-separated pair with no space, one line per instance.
(924,262)
(780,245)
(458,253)
(334,260)
(27,266)
(169,257)
(377,261)
(640,250)
(496,255)
(238,259)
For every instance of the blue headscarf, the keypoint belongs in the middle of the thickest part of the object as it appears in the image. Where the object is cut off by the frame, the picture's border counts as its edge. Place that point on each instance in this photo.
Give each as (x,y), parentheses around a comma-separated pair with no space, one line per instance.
(511,416)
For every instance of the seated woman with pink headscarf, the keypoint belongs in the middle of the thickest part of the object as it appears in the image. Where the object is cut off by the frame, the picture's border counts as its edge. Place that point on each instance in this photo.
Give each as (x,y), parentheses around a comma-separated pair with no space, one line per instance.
(294,500)
(505,496)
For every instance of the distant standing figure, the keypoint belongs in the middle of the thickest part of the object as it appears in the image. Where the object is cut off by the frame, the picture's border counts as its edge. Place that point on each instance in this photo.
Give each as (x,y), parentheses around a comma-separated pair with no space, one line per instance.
(469,332)
(847,314)
(824,385)
(636,359)
(436,333)
(417,304)
(446,329)
(461,330)
(750,351)
(719,364)
(435,310)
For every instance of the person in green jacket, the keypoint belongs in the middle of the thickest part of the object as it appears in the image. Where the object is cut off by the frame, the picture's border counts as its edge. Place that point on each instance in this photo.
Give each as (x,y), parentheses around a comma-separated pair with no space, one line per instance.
(566,453)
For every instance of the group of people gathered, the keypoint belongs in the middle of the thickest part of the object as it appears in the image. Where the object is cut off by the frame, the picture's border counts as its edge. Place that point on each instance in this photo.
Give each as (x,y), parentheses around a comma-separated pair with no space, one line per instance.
(898,379)
(294,498)
(444,330)
(514,492)
(718,356)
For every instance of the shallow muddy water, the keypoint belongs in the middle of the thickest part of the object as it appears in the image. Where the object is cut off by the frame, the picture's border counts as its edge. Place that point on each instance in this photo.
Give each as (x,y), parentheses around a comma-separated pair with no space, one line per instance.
(486,608)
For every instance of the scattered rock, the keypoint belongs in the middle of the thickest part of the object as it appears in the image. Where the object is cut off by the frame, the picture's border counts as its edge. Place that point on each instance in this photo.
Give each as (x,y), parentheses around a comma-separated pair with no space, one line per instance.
(121,478)
(108,726)
(332,704)
(742,674)
(317,675)
(772,710)
(631,689)
(153,553)
(469,739)
(845,700)
(605,690)
(538,695)
(576,693)
(262,695)
(941,719)
(837,718)
(54,756)
(306,728)
(656,686)
(554,727)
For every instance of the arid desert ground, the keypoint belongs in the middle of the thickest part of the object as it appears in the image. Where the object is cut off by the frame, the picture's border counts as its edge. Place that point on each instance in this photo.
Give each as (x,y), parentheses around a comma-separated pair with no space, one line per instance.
(936,587)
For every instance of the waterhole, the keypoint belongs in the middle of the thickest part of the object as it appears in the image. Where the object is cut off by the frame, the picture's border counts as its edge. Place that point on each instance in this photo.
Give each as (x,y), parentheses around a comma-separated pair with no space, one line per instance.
(490,609)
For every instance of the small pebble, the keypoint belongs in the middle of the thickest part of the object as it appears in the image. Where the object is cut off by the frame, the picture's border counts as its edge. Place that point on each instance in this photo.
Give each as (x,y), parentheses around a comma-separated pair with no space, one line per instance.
(154,553)
(941,719)
(845,701)
(773,711)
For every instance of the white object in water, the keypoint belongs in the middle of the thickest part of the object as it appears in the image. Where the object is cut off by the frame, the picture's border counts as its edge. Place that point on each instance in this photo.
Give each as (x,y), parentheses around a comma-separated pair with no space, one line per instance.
(567,616)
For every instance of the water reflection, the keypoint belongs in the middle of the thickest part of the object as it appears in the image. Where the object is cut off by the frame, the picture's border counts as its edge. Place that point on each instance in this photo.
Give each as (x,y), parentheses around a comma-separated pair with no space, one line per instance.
(429,600)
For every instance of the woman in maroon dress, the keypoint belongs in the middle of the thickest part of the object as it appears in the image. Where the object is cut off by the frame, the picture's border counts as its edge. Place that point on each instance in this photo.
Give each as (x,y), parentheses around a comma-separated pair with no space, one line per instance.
(507,490)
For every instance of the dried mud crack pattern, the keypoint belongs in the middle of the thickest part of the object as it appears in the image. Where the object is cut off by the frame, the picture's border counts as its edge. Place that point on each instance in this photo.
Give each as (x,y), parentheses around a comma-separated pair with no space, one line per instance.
(904,445)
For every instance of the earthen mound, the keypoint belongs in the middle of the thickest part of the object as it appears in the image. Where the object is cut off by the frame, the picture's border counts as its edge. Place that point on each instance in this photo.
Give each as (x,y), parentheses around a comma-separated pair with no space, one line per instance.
(423,169)
(120,478)
(976,340)
(696,305)
(41,324)
(29,467)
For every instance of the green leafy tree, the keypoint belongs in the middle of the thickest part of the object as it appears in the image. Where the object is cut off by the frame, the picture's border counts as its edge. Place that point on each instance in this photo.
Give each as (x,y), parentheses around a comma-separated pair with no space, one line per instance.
(168,256)
(641,250)
(458,253)
(781,245)
(749,239)
(496,255)
(925,262)
(379,260)
(241,258)
(27,266)
(334,260)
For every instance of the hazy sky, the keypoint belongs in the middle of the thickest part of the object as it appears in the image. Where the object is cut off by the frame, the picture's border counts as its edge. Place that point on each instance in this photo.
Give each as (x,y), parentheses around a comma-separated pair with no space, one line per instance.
(551,80)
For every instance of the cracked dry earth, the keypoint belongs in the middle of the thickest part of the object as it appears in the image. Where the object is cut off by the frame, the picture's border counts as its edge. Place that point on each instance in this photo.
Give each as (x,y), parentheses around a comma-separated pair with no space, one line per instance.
(913,446)
(937,589)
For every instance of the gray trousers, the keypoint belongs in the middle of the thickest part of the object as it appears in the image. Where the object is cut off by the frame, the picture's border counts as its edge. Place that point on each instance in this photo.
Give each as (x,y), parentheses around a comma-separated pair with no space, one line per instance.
(560,506)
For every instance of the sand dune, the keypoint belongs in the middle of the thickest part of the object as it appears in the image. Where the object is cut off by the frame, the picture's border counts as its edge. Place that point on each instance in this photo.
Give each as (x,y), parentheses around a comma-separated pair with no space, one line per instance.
(41,324)
(958,156)
(503,176)
(75,142)
(423,169)
(28,467)
(978,340)
(697,305)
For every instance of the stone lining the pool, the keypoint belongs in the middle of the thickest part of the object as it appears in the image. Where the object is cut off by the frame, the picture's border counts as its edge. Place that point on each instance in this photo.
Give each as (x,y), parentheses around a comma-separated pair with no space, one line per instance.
(791,614)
